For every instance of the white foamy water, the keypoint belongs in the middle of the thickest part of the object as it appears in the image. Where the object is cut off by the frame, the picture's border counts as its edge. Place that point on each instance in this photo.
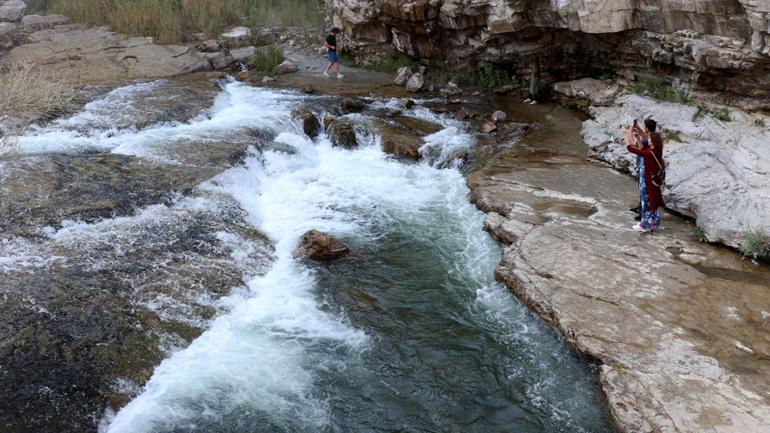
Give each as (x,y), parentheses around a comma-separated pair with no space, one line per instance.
(234,112)
(263,353)
(282,355)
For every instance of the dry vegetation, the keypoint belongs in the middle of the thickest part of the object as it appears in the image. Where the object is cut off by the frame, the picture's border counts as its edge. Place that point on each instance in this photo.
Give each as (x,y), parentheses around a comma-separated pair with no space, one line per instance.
(29,90)
(171,20)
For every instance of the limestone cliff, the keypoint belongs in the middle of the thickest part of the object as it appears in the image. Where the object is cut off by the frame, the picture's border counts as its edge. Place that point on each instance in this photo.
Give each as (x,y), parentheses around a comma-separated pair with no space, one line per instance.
(708,45)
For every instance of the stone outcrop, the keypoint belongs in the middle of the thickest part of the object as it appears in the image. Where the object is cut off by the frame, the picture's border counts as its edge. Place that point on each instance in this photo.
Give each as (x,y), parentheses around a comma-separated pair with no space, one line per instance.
(597,92)
(310,124)
(678,327)
(718,172)
(35,23)
(12,10)
(98,55)
(320,246)
(707,45)
(342,133)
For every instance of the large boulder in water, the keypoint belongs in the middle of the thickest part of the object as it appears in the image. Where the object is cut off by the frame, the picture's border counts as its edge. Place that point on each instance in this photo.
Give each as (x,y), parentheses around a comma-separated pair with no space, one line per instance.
(310,124)
(398,141)
(320,246)
(352,105)
(342,133)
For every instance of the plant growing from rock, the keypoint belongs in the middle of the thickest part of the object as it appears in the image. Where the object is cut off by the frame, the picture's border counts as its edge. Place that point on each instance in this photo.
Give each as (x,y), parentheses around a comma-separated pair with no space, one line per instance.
(266,61)
(493,77)
(28,90)
(700,234)
(755,243)
(723,115)
(657,88)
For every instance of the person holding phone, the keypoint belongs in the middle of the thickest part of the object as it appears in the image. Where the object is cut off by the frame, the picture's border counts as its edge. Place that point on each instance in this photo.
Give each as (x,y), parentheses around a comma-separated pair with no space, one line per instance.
(647,144)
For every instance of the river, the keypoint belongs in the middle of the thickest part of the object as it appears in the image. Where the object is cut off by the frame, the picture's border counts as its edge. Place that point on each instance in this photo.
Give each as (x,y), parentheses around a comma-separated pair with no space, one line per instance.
(408,333)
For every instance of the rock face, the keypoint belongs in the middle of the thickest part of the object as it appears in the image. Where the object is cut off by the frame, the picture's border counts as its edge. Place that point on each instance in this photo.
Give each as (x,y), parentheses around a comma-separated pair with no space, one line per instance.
(341,133)
(403,75)
(598,92)
(98,55)
(12,10)
(415,83)
(286,67)
(718,172)
(352,105)
(34,23)
(237,37)
(672,321)
(320,246)
(709,45)
(310,124)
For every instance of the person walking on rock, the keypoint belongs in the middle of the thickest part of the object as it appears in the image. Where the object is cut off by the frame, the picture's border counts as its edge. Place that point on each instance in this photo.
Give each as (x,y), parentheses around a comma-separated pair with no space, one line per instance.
(650,172)
(331,46)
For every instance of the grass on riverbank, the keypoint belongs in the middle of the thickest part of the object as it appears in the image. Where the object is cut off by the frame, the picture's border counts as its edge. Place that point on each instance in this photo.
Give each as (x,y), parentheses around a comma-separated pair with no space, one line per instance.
(266,61)
(169,21)
(755,244)
(28,90)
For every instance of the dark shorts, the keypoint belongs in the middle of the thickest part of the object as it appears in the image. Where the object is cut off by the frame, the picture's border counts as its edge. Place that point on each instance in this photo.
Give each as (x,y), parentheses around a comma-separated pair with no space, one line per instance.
(333,56)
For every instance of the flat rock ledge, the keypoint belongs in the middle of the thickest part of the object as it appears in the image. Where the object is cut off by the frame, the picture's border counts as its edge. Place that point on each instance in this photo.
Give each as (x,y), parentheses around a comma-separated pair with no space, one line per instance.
(679,328)
(94,55)
(718,169)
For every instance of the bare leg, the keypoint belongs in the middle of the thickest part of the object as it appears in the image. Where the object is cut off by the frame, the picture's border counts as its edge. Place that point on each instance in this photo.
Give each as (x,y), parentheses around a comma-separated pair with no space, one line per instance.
(338,67)
(328,67)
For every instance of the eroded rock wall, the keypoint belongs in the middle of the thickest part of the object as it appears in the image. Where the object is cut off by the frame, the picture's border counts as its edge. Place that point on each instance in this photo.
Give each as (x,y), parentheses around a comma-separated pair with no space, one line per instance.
(709,45)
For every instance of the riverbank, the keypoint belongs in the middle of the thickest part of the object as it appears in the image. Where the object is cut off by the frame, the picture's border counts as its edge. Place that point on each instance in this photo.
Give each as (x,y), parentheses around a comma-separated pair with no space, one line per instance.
(667,317)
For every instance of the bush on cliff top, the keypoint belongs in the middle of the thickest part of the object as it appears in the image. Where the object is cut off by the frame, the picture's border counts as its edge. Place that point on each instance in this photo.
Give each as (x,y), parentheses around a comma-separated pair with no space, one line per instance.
(168,21)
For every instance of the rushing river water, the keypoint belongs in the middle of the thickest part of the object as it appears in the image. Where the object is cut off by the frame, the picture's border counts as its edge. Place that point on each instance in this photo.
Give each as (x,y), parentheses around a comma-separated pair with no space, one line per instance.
(409,333)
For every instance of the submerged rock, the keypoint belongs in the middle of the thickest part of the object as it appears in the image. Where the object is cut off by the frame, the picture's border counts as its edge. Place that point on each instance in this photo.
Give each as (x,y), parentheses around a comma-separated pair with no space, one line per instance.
(320,246)
(341,133)
(352,105)
(399,141)
(310,124)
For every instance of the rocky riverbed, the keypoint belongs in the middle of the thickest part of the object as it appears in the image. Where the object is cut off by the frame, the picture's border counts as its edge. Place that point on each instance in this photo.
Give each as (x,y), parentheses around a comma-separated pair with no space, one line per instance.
(145,240)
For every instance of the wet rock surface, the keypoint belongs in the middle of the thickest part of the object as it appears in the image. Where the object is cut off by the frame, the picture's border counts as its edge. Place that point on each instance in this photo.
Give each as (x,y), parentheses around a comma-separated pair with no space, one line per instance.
(320,246)
(342,133)
(676,324)
(110,262)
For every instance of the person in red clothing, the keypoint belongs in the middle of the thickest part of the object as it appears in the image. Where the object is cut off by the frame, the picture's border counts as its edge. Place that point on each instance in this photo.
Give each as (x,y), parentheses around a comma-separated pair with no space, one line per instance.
(648,145)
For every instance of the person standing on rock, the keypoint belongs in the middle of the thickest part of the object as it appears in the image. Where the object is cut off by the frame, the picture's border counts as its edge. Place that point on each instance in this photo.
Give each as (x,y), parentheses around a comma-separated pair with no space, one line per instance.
(331,46)
(650,172)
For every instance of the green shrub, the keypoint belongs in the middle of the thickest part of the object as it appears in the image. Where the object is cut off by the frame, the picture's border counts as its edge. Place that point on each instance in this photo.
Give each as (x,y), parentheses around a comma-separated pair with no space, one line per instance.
(391,65)
(755,243)
(700,234)
(657,88)
(492,77)
(723,115)
(759,122)
(266,61)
